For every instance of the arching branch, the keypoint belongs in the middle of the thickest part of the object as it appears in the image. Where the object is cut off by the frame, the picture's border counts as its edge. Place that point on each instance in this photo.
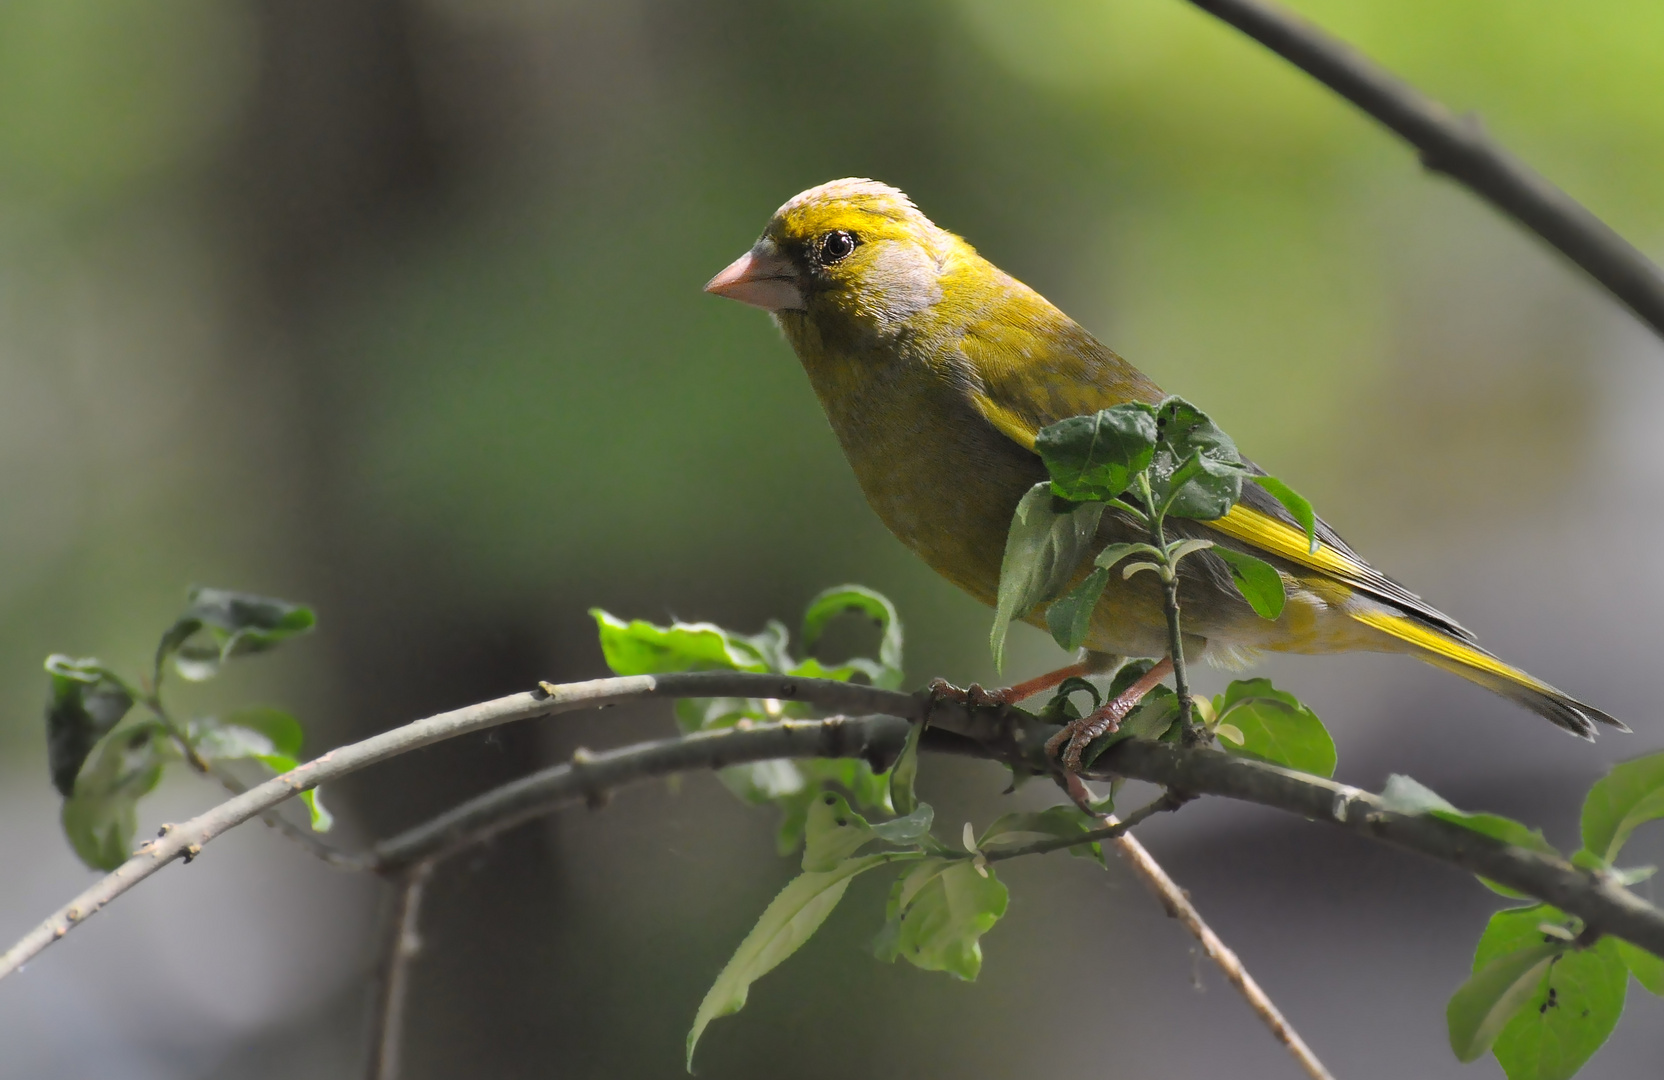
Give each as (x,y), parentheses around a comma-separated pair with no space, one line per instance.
(1458,147)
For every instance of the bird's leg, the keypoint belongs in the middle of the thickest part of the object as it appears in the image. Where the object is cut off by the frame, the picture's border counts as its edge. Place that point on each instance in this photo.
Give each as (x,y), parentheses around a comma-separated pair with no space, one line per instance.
(975,696)
(1078,734)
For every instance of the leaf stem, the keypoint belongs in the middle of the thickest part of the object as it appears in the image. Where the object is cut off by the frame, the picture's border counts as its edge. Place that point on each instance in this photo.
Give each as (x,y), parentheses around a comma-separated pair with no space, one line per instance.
(1170,601)
(1150,809)
(152,700)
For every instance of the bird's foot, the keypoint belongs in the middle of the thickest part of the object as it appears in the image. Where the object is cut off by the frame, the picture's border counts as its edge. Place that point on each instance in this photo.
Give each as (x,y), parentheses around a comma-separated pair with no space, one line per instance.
(978,697)
(1069,744)
(972,696)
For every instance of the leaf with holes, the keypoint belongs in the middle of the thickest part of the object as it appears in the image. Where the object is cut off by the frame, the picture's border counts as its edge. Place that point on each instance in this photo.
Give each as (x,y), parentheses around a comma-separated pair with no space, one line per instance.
(832,833)
(1573,1004)
(885,671)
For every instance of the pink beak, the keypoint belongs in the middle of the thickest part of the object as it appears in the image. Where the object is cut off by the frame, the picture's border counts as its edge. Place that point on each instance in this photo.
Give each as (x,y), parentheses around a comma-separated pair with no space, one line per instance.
(761,278)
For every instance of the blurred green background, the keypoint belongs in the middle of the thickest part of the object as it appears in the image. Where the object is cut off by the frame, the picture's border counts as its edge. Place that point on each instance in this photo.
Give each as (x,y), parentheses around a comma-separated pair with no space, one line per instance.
(393,306)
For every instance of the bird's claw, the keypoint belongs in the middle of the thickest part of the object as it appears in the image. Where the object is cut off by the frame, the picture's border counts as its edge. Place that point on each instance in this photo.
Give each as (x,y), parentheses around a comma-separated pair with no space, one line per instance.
(1069,744)
(972,696)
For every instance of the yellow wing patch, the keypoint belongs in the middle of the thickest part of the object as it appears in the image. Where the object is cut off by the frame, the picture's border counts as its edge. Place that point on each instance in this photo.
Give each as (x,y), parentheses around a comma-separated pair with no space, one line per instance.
(1425,637)
(1011,425)
(1286,541)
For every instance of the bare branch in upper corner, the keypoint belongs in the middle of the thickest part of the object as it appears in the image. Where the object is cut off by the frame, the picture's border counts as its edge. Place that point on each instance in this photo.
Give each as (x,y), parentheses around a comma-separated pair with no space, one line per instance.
(1458,147)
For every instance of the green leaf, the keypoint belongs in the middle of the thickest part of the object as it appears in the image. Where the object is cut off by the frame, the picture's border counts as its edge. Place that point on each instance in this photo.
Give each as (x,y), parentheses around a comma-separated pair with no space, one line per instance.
(1275,727)
(1647,968)
(638,647)
(1406,795)
(911,829)
(255,731)
(858,598)
(1628,796)
(219,624)
(1070,616)
(938,912)
(1195,471)
(1403,795)
(788,921)
(1623,875)
(758,782)
(281,728)
(1501,828)
(100,817)
(1094,458)
(1496,992)
(905,772)
(833,832)
(87,701)
(1257,580)
(1296,505)
(322,819)
(1060,707)
(1056,822)
(1570,1017)
(870,790)
(1572,1005)
(1042,550)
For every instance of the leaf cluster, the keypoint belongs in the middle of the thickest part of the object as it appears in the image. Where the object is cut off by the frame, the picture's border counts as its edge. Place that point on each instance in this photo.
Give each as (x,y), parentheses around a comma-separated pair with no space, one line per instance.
(1545,994)
(1145,462)
(105,755)
(637,647)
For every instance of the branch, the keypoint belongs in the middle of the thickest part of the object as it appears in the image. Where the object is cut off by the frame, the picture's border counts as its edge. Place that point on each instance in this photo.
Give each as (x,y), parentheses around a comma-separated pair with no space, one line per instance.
(1599,901)
(404,941)
(1459,148)
(1003,734)
(1178,905)
(187,840)
(590,777)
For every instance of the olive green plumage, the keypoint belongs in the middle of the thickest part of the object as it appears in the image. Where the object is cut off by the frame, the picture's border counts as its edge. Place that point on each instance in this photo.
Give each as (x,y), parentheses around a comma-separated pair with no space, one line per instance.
(936,370)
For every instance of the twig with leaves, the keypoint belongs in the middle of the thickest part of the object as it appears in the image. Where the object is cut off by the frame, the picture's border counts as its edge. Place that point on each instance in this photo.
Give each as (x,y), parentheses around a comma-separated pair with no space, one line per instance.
(746,721)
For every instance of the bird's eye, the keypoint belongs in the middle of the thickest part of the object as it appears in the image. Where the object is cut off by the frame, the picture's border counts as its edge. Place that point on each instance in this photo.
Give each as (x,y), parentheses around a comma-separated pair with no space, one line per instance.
(835,247)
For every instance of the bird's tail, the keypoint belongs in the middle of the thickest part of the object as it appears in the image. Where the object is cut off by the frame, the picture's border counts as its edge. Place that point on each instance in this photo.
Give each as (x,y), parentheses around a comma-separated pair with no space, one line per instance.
(1442,649)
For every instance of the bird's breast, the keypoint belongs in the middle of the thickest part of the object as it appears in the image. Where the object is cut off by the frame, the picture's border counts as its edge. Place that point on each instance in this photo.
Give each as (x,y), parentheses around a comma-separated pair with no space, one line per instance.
(938,474)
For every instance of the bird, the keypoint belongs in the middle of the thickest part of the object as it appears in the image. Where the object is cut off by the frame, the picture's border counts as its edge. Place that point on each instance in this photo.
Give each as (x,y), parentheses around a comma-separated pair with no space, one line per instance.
(937,370)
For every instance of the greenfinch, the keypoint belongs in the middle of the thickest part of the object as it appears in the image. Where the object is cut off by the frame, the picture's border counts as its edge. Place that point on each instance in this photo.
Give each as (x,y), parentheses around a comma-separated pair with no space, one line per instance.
(937,370)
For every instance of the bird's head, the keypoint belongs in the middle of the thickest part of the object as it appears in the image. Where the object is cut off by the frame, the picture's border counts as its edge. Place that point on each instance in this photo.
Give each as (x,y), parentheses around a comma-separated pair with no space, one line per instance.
(851,252)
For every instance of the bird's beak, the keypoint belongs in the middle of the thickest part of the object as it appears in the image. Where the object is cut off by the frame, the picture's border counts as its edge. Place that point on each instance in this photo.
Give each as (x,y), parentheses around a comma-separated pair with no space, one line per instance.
(762,277)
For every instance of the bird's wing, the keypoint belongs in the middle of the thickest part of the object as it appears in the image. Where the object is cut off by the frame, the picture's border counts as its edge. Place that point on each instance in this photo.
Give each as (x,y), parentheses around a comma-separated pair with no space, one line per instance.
(1035,371)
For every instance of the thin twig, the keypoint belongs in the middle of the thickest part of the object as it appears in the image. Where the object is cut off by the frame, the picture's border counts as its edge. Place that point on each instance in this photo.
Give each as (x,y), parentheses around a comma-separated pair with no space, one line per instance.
(589,777)
(1459,148)
(404,941)
(1112,831)
(1178,905)
(314,844)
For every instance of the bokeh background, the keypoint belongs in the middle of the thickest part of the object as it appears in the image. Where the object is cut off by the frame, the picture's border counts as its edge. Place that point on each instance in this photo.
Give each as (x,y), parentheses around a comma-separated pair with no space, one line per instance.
(393,306)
